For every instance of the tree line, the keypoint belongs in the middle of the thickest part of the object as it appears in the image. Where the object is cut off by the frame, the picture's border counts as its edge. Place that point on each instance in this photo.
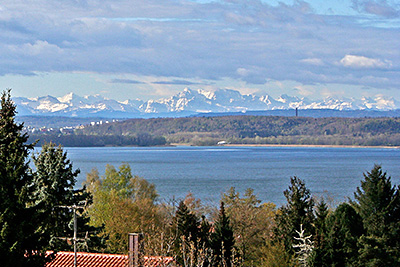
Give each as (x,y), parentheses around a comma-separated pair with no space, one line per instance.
(81,140)
(258,130)
(36,216)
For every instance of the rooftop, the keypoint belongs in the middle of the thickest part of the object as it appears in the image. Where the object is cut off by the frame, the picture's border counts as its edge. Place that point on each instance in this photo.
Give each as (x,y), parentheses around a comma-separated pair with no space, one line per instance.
(84,259)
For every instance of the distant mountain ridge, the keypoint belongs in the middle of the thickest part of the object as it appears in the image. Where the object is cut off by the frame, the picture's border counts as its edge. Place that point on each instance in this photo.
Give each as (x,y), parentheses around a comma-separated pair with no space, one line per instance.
(188,102)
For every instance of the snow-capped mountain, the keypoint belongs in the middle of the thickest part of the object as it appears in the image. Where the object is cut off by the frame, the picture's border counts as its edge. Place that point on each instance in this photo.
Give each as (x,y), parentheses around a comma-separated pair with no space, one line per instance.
(189,102)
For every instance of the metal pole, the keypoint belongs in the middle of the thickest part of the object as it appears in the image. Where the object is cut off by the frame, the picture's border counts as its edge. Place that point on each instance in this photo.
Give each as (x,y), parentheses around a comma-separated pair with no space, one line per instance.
(74,208)
(75,230)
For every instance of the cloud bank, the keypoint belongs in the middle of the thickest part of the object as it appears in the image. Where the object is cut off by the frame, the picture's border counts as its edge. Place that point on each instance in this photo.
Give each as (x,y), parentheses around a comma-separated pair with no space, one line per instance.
(248,41)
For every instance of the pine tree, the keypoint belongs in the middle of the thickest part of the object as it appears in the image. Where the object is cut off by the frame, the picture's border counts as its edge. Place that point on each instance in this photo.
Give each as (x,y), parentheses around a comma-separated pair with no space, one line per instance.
(298,211)
(222,239)
(378,203)
(18,244)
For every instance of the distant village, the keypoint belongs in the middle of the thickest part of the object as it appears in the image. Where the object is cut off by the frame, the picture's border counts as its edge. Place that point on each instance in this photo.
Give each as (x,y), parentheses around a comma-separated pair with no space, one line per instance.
(64,129)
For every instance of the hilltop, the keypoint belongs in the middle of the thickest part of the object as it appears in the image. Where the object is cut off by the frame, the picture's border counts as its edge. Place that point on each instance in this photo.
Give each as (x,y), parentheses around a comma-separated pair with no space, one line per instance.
(236,130)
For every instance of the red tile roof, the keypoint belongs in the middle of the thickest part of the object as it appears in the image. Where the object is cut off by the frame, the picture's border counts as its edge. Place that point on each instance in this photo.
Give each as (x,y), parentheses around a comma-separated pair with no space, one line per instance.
(152,261)
(64,259)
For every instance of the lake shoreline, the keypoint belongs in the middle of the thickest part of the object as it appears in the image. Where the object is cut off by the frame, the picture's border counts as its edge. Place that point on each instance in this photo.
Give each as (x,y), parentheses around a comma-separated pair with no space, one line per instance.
(322,146)
(293,145)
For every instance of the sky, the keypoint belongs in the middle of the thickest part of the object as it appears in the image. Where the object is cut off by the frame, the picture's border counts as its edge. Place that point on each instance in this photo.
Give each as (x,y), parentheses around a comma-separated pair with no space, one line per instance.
(128,49)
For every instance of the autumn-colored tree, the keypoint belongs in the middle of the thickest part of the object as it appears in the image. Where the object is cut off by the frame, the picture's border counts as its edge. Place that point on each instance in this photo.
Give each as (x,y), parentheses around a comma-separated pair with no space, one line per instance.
(123,204)
(252,223)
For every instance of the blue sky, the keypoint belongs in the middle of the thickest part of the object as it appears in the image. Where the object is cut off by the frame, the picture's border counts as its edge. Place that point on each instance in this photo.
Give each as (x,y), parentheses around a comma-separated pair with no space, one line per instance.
(127,49)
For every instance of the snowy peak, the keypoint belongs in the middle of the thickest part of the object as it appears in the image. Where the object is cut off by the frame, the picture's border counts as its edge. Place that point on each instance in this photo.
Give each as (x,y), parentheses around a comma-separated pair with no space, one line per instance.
(380,103)
(190,101)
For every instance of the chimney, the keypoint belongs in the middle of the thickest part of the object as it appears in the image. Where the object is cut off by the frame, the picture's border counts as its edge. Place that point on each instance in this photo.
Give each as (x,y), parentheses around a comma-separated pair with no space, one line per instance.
(135,249)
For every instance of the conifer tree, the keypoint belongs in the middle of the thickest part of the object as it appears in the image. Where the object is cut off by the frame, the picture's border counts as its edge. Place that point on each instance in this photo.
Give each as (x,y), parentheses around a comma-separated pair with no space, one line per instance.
(18,244)
(186,227)
(321,234)
(344,229)
(222,239)
(378,203)
(298,211)
(54,181)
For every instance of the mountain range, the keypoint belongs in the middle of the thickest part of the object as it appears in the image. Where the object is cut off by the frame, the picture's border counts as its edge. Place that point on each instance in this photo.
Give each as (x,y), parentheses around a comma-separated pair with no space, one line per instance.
(189,102)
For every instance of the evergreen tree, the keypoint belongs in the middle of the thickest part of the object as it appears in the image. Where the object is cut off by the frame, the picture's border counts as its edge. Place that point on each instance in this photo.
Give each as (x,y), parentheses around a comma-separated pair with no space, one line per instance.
(222,240)
(187,231)
(18,244)
(378,203)
(321,232)
(345,227)
(298,211)
(54,181)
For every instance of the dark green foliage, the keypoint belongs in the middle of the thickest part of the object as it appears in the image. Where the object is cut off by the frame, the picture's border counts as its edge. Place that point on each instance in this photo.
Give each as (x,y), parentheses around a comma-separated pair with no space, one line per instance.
(79,140)
(186,227)
(321,234)
(298,211)
(53,191)
(378,203)
(222,240)
(17,217)
(345,227)
(258,130)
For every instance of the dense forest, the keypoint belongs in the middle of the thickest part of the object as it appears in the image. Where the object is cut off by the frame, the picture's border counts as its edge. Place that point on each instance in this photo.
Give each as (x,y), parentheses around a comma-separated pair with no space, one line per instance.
(237,130)
(83,140)
(37,207)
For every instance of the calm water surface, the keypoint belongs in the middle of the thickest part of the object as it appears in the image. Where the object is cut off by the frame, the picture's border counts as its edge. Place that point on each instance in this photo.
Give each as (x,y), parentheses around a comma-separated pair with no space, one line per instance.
(207,172)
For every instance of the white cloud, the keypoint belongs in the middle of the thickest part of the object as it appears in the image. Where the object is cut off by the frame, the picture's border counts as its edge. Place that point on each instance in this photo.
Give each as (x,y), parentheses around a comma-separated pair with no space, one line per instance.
(37,48)
(243,71)
(313,61)
(364,62)
(305,90)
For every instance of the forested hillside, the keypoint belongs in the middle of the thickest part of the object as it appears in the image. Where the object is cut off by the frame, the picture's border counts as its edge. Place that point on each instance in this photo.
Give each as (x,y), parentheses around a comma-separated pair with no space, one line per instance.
(257,130)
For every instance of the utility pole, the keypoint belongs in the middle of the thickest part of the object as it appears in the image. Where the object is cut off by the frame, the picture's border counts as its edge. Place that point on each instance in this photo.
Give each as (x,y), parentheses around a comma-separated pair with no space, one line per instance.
(74,208)
(75,230)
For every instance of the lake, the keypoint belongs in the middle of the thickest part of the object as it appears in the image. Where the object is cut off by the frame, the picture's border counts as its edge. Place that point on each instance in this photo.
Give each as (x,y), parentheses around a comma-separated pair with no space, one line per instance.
(207,172)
